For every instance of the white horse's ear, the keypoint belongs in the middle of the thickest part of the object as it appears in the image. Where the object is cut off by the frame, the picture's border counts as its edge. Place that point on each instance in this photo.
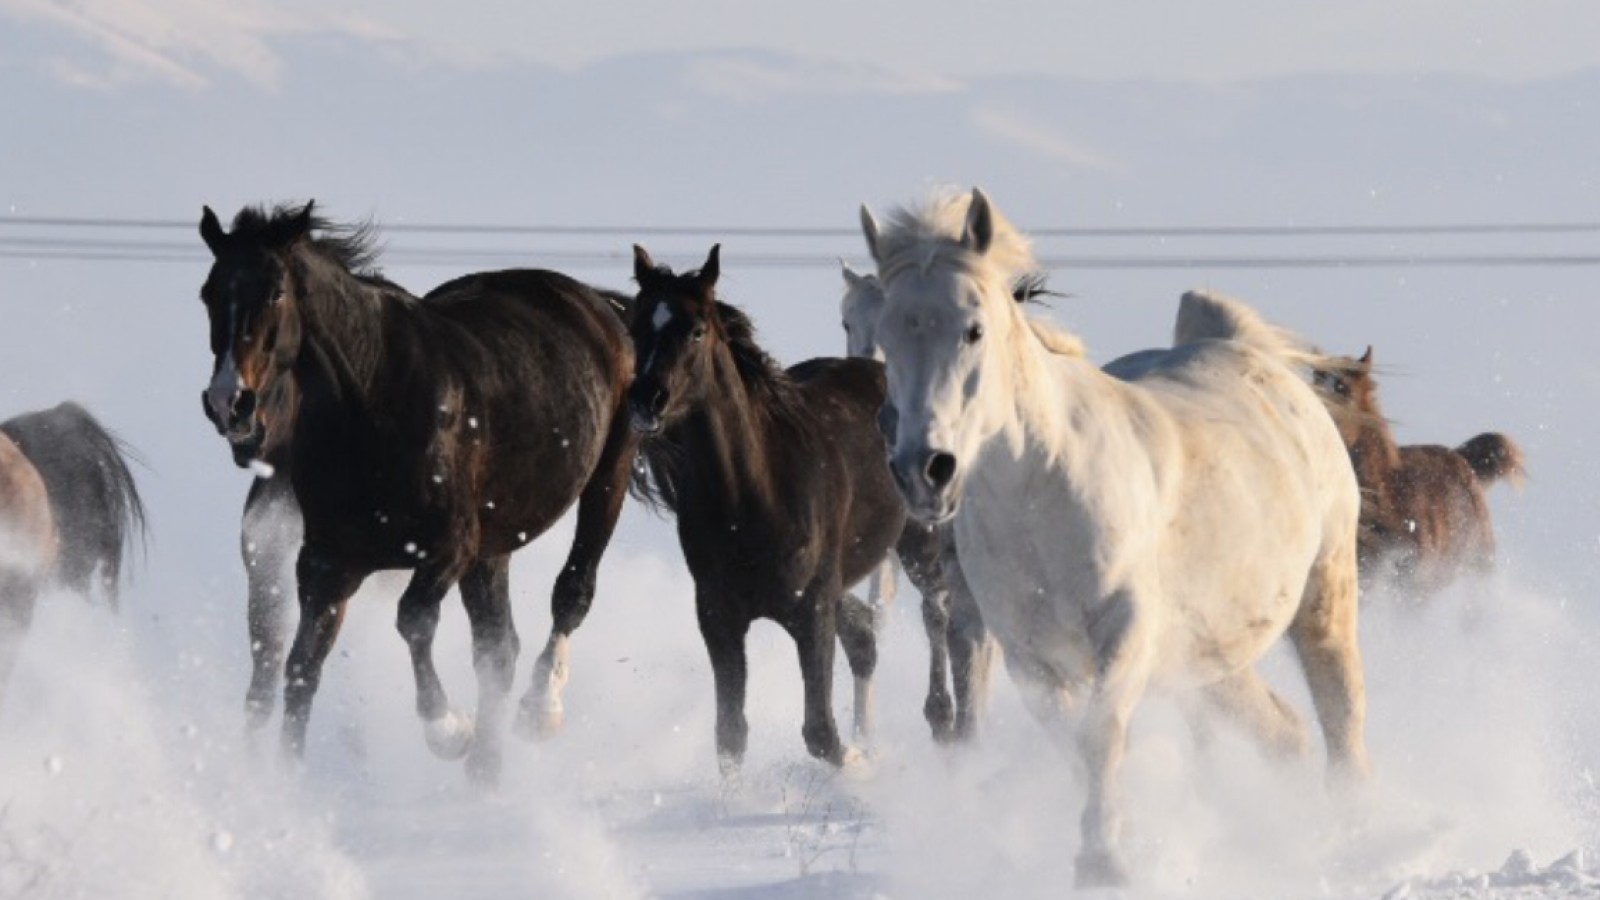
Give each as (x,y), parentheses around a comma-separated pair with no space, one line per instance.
(979,230)
(852,278)
(869,230)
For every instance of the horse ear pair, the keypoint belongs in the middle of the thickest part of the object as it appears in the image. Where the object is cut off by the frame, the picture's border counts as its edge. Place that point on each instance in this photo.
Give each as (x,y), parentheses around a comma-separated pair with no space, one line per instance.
(296,227)
(645,268)
(976,234)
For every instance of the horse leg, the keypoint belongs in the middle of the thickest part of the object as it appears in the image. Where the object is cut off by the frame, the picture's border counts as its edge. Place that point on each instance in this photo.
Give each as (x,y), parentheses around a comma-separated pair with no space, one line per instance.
(449,733)
(814,627)
(269,536)
(724,632)
(325,588)
(1246,699)
(1324,637)
(18,594)
(920,552)
(541,713)
(486,594)
(972,650)
(1123,669)
(858,634)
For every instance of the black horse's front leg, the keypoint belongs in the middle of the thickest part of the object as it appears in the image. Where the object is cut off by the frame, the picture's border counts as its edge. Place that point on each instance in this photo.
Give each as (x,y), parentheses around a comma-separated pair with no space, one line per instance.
(486,594)
(449,733)
(814,629)
(269,538)
(325,586)
(724,630)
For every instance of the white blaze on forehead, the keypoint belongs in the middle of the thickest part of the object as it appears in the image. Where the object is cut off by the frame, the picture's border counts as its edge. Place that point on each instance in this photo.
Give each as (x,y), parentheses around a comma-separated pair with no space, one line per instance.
(662,316)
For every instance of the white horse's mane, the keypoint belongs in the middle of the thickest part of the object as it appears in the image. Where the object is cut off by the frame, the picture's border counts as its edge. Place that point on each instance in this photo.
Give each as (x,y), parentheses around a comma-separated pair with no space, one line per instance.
(1208,315)
(929,231)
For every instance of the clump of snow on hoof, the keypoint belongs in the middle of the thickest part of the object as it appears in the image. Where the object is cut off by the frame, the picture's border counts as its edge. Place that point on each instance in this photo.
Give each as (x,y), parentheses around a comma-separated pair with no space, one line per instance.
(450,735)
(540,721)
(858,764)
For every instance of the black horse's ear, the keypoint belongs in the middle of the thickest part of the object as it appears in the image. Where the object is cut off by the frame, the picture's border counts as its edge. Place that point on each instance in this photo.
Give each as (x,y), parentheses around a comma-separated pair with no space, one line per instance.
(1366,359)
(979,230)
(712,268)
(211,230)
(643,266)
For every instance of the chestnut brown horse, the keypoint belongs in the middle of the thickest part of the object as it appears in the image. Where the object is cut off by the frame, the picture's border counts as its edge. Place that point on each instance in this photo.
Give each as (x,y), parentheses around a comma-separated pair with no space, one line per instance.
(436,434)
(69,511)
(28,550)
(1424,518)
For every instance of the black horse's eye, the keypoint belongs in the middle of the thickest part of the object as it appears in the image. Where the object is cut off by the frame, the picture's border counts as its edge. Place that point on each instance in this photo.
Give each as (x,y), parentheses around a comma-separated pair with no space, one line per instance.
(974,333)
(277,296)
(698,333)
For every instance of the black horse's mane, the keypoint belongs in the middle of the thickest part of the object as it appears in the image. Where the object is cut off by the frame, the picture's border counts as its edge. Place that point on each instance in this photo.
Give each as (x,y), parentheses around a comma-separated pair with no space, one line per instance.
(353,245)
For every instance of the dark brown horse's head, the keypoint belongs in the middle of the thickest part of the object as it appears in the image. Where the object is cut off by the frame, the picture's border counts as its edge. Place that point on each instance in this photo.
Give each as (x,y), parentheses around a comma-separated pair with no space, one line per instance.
(250,298)
(676,330)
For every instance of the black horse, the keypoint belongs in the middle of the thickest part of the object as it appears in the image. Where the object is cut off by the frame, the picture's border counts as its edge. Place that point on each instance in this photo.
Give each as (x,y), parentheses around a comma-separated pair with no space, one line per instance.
(780,489)
(93,498)
(69,511)
(437,434)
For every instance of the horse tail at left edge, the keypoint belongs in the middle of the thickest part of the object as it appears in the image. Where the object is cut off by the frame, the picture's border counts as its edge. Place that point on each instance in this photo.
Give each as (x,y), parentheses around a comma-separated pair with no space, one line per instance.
(93,497)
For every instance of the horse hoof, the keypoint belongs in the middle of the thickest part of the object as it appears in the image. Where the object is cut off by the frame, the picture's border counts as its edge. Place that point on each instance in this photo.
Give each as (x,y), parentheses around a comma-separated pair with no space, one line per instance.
(858,765)
(539,722)
(483,768)
(450,735)
(1100,870)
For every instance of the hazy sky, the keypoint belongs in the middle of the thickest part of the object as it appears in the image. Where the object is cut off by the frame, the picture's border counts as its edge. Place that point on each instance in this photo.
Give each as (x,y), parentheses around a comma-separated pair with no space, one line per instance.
(188,41)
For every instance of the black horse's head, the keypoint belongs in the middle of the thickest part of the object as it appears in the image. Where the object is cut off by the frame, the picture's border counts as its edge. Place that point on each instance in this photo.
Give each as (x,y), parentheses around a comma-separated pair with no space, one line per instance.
(675,332)
(250,297)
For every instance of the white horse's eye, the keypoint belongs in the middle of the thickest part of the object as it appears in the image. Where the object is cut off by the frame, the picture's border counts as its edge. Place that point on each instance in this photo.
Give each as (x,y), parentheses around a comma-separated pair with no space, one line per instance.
(974,333)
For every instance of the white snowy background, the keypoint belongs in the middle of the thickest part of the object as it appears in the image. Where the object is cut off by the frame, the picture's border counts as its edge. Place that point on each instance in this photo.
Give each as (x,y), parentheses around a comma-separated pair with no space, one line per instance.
(124,770)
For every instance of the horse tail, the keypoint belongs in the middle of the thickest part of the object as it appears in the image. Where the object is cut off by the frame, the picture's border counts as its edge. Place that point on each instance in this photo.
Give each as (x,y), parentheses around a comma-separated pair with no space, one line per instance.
(1494,456)
(94,499)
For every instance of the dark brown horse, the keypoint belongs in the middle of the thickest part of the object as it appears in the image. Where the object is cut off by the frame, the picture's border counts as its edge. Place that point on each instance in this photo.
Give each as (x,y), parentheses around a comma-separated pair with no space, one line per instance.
(779,484)
(435,434)
(69,511)
(1424,519)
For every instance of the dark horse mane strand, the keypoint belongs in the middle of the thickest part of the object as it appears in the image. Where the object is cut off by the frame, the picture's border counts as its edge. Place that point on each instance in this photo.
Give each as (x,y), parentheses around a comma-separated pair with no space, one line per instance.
(355,246)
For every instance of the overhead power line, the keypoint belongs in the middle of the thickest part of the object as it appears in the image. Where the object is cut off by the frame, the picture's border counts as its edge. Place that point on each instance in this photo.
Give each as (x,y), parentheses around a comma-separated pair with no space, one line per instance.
(155,251)
(800,232)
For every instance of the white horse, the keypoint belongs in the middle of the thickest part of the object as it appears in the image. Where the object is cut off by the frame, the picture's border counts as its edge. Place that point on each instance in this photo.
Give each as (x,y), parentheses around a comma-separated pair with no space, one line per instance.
(960,652)
(1160,527)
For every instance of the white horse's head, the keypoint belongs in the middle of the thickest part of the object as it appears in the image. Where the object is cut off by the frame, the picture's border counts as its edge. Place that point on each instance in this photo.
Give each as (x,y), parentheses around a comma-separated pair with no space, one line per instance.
(948,330)
(863,301)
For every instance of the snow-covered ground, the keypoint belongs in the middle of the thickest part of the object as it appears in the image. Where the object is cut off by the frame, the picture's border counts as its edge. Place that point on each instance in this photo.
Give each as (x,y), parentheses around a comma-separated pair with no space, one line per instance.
(125,772)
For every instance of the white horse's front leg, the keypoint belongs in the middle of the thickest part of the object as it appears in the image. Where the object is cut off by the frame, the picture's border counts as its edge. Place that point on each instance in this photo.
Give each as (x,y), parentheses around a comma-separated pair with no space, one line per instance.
(1122,649)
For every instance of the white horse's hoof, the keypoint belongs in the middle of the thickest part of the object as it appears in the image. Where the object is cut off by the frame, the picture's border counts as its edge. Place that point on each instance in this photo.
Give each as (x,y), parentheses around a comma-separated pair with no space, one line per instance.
(450,735)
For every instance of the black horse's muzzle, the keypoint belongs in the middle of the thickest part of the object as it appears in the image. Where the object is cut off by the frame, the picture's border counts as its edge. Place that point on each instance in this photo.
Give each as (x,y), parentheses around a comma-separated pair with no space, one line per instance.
(243,429)
(646,406)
